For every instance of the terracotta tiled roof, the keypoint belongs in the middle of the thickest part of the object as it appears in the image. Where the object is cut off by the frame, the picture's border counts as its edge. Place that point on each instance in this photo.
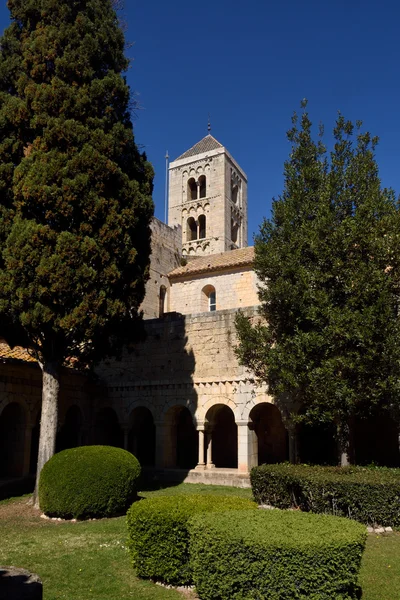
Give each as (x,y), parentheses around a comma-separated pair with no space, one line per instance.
(15,354)
(207,144)
(216,262)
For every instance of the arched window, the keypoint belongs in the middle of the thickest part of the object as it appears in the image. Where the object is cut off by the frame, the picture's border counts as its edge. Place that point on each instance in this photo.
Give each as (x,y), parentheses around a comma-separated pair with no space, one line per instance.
(192,189)
(202,227)
(161,301)
(234,231)
(209,298)
(234,192)
(191,230)
(203,186)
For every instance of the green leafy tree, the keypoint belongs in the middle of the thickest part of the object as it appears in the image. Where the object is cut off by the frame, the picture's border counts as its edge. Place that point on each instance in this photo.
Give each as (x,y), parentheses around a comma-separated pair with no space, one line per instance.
(75,192)
(328,265)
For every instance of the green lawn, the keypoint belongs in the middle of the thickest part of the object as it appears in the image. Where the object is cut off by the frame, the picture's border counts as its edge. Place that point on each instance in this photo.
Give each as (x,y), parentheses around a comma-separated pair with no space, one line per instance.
(89,559)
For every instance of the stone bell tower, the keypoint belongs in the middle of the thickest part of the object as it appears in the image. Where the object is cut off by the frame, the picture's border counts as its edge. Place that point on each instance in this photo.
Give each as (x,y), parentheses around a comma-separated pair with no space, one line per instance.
(208,198)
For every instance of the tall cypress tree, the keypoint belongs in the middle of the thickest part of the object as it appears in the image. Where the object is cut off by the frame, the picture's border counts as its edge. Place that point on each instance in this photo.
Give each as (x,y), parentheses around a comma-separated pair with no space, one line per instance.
(328,263)
(75,192)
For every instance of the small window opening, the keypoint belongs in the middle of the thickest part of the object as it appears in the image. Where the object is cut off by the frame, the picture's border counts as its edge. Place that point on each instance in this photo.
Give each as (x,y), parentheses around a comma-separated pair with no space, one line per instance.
(202,227)
(212,301)
(203,186)
(191,230)
(234,231)
(234,193)
(161,306)
(192,189)
(209,298)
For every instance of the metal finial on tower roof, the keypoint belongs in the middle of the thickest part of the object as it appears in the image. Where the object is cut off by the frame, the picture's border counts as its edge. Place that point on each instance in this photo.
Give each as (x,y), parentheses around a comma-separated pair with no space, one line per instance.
(209,125)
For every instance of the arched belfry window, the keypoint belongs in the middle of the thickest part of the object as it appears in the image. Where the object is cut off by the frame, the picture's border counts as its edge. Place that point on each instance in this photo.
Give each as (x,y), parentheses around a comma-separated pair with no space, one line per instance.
(191,230)
(192,189)
(161,300)
(234,231)
(209,298)
(202,227)
(203,186)
(234,192)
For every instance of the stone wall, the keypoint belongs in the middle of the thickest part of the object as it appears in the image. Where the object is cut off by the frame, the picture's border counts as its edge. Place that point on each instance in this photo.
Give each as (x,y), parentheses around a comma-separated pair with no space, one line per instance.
(234,289)
(166,248)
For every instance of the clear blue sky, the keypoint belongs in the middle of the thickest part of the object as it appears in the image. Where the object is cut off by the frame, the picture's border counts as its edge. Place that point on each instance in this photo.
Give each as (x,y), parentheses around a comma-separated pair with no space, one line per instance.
(249,64)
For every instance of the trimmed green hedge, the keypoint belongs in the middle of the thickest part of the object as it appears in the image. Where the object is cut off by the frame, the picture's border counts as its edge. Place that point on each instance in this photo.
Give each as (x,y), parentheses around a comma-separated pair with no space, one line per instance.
(370,495)
(158,533)
(89,482)
(275,555)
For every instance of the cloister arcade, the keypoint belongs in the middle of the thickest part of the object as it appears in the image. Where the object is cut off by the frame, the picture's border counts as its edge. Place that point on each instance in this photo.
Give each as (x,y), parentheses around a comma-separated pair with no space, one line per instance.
(214,438)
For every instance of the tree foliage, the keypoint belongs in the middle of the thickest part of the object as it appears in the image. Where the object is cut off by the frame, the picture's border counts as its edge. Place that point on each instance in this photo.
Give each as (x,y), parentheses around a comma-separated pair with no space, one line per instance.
(74,189)
(328,263)
(75,192)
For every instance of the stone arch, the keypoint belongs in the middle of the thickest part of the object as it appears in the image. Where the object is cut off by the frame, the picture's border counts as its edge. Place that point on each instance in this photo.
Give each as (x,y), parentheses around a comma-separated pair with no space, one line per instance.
(13,421)
(142,435)
(272,437)
(181,438)
(70,433)
(208,404)
(108,431)
(223,436)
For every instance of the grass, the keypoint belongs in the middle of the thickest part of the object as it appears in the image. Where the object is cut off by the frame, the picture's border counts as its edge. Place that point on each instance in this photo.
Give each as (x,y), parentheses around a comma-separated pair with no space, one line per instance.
(89,559)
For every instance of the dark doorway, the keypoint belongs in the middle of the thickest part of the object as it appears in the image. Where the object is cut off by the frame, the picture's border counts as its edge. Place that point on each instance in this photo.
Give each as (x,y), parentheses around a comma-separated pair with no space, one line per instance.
(12,440)
(272,437)
(34,446)
(181,439)
(224,436)
(142,436)
(376,441)
(70,434)
(107,429)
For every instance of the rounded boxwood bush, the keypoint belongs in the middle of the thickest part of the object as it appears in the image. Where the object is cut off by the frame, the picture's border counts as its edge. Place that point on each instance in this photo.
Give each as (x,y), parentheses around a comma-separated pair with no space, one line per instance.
(158,533)
(89,482)
(275,555)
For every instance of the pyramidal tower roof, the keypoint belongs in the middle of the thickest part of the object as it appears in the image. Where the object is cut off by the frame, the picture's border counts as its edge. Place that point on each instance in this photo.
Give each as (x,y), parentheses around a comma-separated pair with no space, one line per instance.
(207,144)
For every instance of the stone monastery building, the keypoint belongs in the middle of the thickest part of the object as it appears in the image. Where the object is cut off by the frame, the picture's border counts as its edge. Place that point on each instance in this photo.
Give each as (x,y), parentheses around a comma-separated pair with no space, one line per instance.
(179,400)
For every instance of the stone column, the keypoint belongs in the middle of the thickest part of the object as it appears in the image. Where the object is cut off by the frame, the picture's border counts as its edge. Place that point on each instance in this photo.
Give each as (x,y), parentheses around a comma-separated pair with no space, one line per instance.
(247,446)
(209,462)
(201,464)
